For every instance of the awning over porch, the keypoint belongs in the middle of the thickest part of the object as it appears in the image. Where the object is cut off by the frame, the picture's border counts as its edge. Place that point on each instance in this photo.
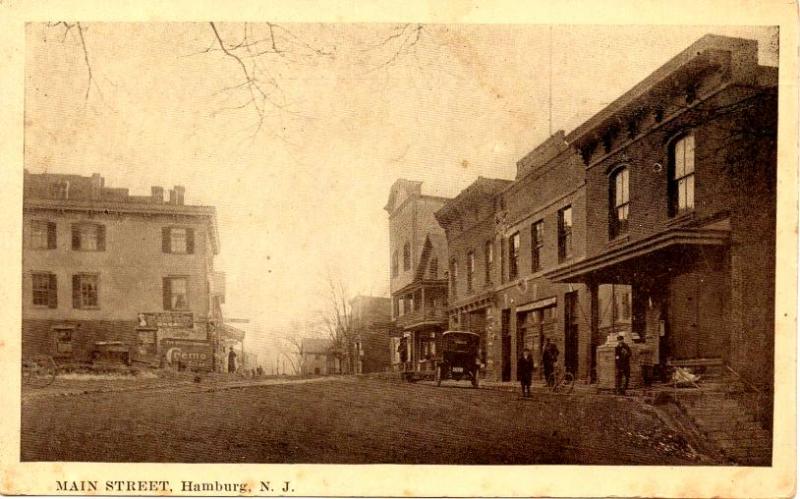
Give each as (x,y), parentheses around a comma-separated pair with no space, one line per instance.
(671,239)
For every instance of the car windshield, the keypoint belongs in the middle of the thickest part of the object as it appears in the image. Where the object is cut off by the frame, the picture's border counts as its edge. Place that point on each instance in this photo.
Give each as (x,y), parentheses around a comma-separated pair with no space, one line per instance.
(460,342)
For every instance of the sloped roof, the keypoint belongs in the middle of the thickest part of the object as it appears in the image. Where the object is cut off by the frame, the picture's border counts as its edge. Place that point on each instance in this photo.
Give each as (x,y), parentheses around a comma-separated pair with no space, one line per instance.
(316,345)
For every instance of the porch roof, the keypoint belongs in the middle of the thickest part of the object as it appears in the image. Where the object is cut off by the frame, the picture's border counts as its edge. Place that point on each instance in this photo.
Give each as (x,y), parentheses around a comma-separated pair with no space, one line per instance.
(583,270)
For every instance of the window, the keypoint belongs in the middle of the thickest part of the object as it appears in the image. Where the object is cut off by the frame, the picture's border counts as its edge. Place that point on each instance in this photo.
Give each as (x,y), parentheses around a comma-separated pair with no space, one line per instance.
(88,237)
(470,269)
(433,268)
(513,256)
(45,290)
(564,233)
(84,291)
(42,234)
(395,264)
(453,276)
(682,176)
(620,202)
(406,257)
(488,256)
(537,242)
(177,240)
(175,293)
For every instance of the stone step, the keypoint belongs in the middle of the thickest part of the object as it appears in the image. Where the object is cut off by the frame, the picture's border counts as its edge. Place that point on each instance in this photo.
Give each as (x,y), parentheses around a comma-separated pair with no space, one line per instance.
(763,443)
(744,454)
(737,433)
(739,428)
(722,408)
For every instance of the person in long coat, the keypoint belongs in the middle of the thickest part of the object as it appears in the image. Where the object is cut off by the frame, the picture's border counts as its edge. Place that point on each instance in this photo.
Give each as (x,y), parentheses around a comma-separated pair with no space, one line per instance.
(525,372)
(549,359)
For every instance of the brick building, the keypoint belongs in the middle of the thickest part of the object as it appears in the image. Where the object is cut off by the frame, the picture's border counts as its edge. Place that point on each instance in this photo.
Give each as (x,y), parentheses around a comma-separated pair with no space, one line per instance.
(417,284)
(108,272)
(371,319)
(681,199)
(473,268)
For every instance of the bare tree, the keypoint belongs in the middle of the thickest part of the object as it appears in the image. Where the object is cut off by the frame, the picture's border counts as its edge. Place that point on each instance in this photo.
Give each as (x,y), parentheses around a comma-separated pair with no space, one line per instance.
(261,53)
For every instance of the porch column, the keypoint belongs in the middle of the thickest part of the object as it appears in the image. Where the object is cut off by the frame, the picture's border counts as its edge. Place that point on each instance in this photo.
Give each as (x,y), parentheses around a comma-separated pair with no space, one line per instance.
(594,324)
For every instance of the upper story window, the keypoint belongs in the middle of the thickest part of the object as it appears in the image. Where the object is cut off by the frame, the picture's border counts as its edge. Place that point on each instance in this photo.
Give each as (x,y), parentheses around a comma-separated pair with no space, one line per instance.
(178,240)
(537,243)
(513,256)
(42,234)
(176,293)
(620,202)
(85,291)
(470,269)
(406,257)
(488,256)
(45,289)
(453,276)
(564,233)
(395,264)
(433,268)
(681,174)
(88,237)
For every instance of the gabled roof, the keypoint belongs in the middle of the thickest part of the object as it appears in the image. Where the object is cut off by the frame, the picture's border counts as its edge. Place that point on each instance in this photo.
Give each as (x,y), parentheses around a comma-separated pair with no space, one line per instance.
(316,345)
(432,241)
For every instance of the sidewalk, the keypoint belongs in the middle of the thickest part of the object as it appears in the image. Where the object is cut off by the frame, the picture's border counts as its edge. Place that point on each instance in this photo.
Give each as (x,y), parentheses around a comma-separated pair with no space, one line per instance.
(70,386)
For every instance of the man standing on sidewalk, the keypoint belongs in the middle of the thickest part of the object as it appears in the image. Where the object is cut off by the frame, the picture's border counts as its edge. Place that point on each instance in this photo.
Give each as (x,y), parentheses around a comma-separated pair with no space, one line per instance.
(622,362)
(549,359)
(231,361)
(525,372)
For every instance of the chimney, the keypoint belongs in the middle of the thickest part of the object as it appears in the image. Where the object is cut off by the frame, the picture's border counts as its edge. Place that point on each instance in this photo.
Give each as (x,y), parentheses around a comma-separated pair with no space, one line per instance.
(179,192)
(97,186)
(171,196)
(157,194)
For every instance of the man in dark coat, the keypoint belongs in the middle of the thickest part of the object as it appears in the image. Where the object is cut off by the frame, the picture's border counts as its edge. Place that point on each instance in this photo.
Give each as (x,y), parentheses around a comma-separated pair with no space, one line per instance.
(525,372)
(231,361)
(622,363)
(549,359)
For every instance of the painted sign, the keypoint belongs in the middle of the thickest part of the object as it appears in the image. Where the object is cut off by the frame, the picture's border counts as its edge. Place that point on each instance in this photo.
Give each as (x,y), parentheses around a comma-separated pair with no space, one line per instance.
(187,354)
(171,320)
(173,325)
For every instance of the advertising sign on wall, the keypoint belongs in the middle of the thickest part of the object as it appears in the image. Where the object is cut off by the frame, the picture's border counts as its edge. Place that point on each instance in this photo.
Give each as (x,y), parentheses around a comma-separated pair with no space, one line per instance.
(173,325)
(193,355)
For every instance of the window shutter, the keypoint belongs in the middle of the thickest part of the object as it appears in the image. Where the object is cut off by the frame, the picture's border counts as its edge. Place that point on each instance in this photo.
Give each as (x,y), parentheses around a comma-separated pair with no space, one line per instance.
(167,287)
(101,238)
(51,235)
(52,292)
(190,241)
(76,237)
(76,291)
(165,246)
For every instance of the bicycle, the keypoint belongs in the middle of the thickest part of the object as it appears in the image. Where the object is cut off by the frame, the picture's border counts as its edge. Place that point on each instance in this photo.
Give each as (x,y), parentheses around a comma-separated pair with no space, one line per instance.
(560,381)
(38,371)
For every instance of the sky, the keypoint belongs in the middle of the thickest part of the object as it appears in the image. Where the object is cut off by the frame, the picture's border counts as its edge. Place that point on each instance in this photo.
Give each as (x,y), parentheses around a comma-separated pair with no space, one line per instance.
(299,178)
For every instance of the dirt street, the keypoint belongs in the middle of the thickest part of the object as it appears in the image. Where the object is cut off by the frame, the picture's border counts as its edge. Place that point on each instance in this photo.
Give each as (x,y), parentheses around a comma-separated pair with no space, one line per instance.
(345,420)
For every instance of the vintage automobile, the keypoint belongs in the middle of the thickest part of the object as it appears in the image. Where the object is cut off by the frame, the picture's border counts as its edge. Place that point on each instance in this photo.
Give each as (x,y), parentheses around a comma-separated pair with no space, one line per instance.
(459,357)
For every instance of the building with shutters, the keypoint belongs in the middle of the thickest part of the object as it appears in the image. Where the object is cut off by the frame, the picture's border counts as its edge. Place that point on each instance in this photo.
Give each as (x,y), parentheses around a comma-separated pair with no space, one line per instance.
(105,270)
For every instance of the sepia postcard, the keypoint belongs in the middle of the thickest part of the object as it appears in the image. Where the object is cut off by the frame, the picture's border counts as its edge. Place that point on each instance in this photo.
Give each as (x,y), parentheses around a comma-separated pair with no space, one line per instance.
(445,249)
